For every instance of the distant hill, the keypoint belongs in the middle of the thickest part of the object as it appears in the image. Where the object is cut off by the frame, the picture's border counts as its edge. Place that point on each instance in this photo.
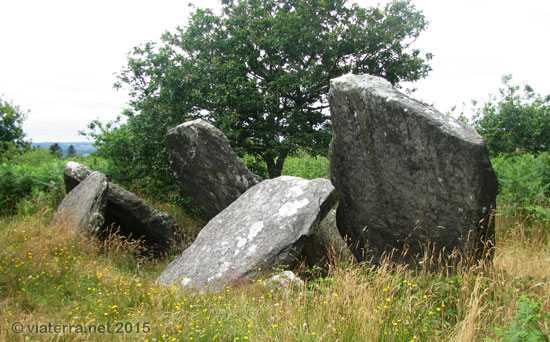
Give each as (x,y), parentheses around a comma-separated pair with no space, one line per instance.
(82,148)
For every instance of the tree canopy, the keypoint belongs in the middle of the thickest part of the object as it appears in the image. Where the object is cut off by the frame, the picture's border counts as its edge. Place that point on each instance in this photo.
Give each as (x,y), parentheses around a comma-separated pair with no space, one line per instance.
(260,72)
(11,126)
(56,150)
(517,120)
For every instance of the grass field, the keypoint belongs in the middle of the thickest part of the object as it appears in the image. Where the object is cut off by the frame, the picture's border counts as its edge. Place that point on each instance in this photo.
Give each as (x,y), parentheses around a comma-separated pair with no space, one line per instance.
(56,286)
(49,278)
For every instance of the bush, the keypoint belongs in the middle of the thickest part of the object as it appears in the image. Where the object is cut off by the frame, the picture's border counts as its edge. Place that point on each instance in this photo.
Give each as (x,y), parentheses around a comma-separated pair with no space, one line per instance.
(305,166)
(524,184)
(33,174)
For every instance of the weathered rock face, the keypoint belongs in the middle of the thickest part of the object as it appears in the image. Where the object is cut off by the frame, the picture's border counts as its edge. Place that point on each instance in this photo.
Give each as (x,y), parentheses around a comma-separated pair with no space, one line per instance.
(124,210)
(269,225)
(74,173)
(406,174)
(139,220)
(84,207)
(327,242)
(206,166)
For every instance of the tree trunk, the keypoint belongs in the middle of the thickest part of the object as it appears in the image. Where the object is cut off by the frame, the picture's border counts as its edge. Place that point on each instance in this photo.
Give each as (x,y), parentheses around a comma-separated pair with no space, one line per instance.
(274,168)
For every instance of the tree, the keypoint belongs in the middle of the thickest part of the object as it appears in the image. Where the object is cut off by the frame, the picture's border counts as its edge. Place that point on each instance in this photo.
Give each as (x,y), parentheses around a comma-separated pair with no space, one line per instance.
(71,151)
(11,126)
(56,150)
(260,72)
(515,121)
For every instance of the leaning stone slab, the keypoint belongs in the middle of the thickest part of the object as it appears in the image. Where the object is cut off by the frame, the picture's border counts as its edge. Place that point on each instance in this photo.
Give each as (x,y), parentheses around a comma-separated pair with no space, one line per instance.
(84,206)
(73,174)
(206,166)
(269,225)
(137,219)
(408,177)
(131,214)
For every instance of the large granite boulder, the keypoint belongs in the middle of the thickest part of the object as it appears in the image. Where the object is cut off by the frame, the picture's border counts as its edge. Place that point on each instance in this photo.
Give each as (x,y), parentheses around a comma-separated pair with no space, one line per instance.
(206,166)
(84,207)
(408,176)
(74,173)
(271,224)
(124,211)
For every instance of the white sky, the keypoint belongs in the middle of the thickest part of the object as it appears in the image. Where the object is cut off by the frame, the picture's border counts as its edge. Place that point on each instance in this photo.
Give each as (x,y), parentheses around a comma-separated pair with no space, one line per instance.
(59,57)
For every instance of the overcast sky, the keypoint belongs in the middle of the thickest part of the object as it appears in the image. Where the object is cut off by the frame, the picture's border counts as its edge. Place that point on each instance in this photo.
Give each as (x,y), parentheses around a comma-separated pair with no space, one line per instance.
(58,58)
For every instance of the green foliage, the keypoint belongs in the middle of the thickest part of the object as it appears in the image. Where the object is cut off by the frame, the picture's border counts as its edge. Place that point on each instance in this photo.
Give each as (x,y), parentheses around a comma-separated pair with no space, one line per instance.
(11,127)
(260,72)
(56,150)
(524,327)
(34,174)
(524,184)
(71,151)
(307,166)
(515,121)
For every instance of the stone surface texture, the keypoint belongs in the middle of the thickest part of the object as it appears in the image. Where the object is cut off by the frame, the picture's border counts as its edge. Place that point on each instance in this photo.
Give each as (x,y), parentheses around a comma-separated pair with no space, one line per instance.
(285,278)
(407,175)
(84,206)
(73,174)
(206,166)
(328,242)
(271,224)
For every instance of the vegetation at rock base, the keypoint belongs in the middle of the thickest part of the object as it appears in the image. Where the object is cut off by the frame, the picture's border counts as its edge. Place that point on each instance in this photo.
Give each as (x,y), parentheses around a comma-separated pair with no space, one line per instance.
(49,275)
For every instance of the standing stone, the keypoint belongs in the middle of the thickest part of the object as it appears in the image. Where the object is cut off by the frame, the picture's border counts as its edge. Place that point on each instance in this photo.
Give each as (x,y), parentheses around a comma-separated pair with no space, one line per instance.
(206,166)
(84,206)
(74,173)
(269,225)
(407,175)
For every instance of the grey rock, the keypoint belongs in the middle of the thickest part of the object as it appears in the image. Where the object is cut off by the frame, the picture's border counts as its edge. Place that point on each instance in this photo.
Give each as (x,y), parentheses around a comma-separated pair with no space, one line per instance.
(270,225)
(327,242)
(84,207)
(74,173)
(408,177)
(128,213)
(206,166)
(285,278)
(138,220)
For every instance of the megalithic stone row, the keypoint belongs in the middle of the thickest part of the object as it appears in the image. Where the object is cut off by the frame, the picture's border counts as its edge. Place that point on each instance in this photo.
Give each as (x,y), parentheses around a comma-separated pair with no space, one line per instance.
(408,177)
(207,167)
(273,223)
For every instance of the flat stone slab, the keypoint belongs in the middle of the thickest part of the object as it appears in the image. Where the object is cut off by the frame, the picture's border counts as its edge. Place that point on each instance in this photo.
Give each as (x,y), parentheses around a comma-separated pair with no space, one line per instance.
(271,224)
(206,166)
(408,176)
(84,207)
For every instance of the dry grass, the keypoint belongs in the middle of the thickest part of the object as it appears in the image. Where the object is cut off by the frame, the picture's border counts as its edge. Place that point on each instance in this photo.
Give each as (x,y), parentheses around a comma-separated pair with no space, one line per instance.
(47,274)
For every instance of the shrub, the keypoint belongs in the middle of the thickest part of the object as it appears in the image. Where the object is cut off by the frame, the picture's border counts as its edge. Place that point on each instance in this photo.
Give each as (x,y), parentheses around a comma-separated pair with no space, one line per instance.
(32,174)
(524,184)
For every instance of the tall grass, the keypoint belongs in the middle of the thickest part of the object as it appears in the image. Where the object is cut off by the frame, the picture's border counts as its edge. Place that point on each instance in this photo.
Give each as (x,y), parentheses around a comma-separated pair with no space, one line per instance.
(48,274)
